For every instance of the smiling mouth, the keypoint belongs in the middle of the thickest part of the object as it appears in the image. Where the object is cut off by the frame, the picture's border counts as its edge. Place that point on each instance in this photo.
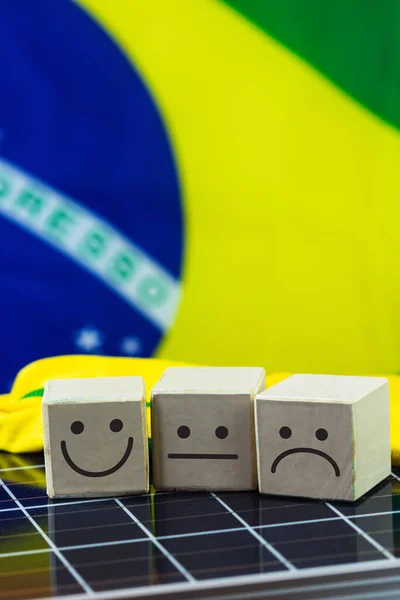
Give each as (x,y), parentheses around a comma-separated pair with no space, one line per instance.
(308,451)
(205,456)
(85,473)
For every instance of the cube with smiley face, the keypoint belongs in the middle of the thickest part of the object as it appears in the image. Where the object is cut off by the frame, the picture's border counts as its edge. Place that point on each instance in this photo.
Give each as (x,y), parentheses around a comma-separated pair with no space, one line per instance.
(95,437)
(323,436)
(203,428)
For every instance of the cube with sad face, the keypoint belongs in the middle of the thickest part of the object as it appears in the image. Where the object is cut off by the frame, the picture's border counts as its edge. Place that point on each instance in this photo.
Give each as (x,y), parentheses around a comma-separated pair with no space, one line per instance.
(323,436)
(203,428)
(95,437)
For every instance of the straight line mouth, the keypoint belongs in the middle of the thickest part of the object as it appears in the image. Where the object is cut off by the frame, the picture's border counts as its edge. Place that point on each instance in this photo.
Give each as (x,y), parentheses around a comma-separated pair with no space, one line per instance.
(205,456)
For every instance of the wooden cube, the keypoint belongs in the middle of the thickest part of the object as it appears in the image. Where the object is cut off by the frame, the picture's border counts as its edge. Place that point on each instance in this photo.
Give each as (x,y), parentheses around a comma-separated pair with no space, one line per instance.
(95,437)
(323,436)
(203,428)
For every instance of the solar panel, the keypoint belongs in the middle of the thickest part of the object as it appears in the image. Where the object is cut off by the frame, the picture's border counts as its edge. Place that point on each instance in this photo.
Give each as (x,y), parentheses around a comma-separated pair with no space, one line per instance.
(193,545)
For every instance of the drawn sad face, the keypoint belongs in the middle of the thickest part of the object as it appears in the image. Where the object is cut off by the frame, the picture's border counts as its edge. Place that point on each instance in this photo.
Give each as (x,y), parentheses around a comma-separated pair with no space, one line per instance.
(321,434)
(305,448)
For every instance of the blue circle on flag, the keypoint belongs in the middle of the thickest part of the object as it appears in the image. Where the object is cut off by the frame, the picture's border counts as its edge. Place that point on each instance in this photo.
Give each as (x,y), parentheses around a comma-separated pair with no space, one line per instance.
(90,205)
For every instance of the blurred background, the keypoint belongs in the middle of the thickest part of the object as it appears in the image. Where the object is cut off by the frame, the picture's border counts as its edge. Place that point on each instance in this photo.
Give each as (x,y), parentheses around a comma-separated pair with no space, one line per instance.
(211,181)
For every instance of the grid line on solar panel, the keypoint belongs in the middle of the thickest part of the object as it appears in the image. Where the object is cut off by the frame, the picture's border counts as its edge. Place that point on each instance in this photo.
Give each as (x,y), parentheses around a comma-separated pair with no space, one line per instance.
(59,555)
(180,536)
(311,545)
(17,579)
(87,501)
(157,543)
(224,554)
(132,500)
(384,529)
(261,540)
(255,508)
(364,534)
(179,515)
(226,568)
(195,514)
(30,496)
(25,552)
(393,474)
(26,494)
(21,468)
(130,564)
(175,498)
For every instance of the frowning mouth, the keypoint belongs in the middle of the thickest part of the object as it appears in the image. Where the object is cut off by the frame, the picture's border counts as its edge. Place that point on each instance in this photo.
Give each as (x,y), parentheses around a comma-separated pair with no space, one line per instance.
(309,451)
(205,456)
(85,473)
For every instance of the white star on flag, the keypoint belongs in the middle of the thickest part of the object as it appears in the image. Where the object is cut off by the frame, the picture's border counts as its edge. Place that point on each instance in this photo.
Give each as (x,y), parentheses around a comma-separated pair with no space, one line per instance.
(89,339)
(131,346)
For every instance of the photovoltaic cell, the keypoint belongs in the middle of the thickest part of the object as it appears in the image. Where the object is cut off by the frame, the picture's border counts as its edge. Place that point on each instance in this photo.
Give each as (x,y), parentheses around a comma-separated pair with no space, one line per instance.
(86,546)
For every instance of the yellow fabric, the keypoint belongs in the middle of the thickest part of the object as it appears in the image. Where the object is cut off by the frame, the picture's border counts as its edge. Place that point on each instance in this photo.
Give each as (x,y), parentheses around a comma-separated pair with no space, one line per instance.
(21,418)
(290,195)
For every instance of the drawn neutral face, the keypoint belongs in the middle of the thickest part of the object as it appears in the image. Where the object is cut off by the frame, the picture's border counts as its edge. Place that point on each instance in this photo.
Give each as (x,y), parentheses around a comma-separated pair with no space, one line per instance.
(203,442)
(304,448)
(184,432)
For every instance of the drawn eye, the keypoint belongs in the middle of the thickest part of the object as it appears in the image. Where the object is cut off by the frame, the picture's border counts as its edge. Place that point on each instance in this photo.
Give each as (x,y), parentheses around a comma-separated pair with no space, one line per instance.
(221,432)
(321,434)
(116,425)
(285,432)
(77,427)
(183,432)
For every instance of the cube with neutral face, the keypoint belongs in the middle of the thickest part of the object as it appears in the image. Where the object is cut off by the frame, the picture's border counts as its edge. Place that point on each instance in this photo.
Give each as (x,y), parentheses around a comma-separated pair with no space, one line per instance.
(95,437)
(323,436)
(203,428)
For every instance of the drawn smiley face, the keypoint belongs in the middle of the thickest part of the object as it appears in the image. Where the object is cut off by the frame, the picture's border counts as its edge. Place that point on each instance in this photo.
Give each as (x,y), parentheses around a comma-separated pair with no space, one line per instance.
(77,428)
(95,435)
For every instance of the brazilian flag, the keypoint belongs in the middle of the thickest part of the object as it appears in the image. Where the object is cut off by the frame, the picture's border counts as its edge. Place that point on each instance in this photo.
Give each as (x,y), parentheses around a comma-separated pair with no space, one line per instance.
(209,181)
